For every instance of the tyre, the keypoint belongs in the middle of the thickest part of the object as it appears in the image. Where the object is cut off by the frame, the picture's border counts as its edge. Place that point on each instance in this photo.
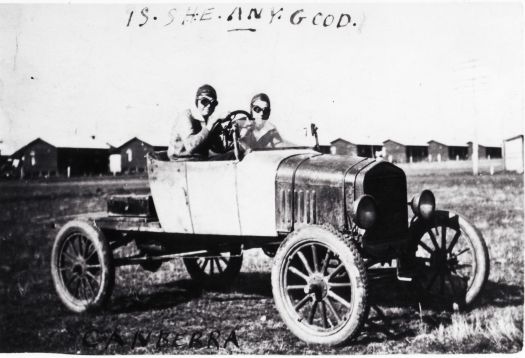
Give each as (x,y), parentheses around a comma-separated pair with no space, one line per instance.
(215,269)
(82,266)
(320,286)
(452,259)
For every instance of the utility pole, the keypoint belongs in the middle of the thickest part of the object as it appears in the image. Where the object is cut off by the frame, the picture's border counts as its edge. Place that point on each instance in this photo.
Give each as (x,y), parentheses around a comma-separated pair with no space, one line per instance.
(475,144)
(472,80)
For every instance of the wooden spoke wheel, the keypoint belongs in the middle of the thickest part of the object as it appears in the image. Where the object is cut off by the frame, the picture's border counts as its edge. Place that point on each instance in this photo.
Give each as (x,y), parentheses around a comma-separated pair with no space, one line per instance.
(215,269)
(319,285)
(452,258)
(82,266)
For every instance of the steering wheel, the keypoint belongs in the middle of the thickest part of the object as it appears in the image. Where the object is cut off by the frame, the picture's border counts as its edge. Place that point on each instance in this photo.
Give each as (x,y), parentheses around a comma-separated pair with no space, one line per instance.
(222,132)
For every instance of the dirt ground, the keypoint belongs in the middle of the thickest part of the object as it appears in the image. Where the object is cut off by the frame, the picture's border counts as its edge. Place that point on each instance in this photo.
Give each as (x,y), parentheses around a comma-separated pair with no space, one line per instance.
(164,312)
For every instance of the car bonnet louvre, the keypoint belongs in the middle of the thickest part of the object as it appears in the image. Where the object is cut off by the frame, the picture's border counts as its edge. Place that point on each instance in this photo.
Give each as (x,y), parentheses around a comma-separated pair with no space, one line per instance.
(311,190)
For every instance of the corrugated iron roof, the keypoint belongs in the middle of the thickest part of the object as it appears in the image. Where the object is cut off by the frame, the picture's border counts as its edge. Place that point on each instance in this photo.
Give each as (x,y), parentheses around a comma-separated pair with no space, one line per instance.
(70,142)
(77,142)
(450,143)
(151,141)
(514,137)
(408,143)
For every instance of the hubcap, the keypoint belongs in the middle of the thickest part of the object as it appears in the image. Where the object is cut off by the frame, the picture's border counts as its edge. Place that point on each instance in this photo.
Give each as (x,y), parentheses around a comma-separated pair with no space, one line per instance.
(79,268)
(439,261)
(318,286)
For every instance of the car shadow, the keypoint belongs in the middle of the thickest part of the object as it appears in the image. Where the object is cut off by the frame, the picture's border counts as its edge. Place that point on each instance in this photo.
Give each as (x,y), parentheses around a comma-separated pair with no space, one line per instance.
(501,295)
(162,296)
(390,292)
(396,310)
(258,283)
(393,293)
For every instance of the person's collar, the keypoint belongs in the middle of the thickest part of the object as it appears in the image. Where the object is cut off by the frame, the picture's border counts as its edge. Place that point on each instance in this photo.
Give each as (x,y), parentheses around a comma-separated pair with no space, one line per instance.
(196,114)
(269,125)
(265,129)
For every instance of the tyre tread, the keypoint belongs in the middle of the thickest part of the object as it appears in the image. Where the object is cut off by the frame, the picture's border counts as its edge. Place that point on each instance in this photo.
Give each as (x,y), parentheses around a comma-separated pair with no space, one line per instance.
(91,230)
(362,314)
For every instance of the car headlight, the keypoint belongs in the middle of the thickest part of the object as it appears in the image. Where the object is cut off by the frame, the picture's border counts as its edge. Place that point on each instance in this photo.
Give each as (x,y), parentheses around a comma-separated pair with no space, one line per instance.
(424,204)
(364,211)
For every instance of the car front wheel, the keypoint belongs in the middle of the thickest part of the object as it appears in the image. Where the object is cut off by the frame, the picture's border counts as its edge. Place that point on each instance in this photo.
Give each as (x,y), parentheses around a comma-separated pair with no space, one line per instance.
(319,285)
(452,257)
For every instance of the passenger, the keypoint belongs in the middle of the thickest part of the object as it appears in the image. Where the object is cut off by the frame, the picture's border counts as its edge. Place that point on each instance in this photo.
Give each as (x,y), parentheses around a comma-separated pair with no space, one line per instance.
(260,133)
(191,130)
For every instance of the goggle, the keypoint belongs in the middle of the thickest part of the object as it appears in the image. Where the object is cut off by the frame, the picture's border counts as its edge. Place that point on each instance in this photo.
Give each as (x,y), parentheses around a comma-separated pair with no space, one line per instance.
(265,111)
(207,102)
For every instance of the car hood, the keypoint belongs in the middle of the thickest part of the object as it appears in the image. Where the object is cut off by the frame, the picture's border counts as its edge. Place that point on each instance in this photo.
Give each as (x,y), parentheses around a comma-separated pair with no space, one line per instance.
(320,169)
(316,189)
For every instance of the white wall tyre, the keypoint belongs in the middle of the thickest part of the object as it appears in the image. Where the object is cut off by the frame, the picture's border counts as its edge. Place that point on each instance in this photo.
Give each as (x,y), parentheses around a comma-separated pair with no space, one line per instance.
(320,286)
(452,258)
(82,266)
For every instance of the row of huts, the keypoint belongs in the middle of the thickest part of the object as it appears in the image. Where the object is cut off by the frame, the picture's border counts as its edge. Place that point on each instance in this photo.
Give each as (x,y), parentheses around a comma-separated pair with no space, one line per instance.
(46,158)
(396,152)
(71,157)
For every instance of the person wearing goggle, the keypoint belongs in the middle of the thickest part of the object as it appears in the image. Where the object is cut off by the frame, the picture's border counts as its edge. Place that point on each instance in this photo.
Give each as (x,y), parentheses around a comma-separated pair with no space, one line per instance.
(192,127)
(259,132)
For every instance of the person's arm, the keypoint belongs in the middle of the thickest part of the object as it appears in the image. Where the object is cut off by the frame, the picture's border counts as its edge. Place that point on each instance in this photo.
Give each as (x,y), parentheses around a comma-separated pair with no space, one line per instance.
(244,146)
(276,138)
(246,138)
(192,142)
(183,141)
(175,145)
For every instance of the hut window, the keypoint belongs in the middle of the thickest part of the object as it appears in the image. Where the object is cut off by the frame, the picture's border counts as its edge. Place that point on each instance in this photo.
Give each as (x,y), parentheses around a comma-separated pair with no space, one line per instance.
(33,159)
(129,153)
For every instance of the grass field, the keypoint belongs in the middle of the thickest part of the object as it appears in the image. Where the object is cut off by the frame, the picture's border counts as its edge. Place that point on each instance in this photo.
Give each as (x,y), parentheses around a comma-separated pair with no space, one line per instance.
(166,302)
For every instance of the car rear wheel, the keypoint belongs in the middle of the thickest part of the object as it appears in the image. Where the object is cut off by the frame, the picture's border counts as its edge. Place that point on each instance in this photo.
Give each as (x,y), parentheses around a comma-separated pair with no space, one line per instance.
(452,258)
(82,266)
(319,285)
(215,269)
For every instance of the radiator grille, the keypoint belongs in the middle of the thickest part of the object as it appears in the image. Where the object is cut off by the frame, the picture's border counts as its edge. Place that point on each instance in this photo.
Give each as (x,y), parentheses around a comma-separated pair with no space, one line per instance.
(389,190)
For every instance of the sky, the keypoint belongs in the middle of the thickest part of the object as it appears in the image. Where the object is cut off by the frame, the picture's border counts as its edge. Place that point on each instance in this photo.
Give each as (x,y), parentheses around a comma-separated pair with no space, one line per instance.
(409,72)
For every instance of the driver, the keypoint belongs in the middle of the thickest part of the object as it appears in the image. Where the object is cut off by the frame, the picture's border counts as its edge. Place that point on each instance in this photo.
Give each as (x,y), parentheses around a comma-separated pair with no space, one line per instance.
(191,130)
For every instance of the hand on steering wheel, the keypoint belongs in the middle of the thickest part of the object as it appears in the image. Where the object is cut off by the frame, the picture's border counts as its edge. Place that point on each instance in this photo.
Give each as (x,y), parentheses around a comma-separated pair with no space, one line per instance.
(223,130)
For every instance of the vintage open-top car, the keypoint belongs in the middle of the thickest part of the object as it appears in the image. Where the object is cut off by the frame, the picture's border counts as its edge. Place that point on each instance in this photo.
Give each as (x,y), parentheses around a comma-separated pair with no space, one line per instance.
(326,219)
